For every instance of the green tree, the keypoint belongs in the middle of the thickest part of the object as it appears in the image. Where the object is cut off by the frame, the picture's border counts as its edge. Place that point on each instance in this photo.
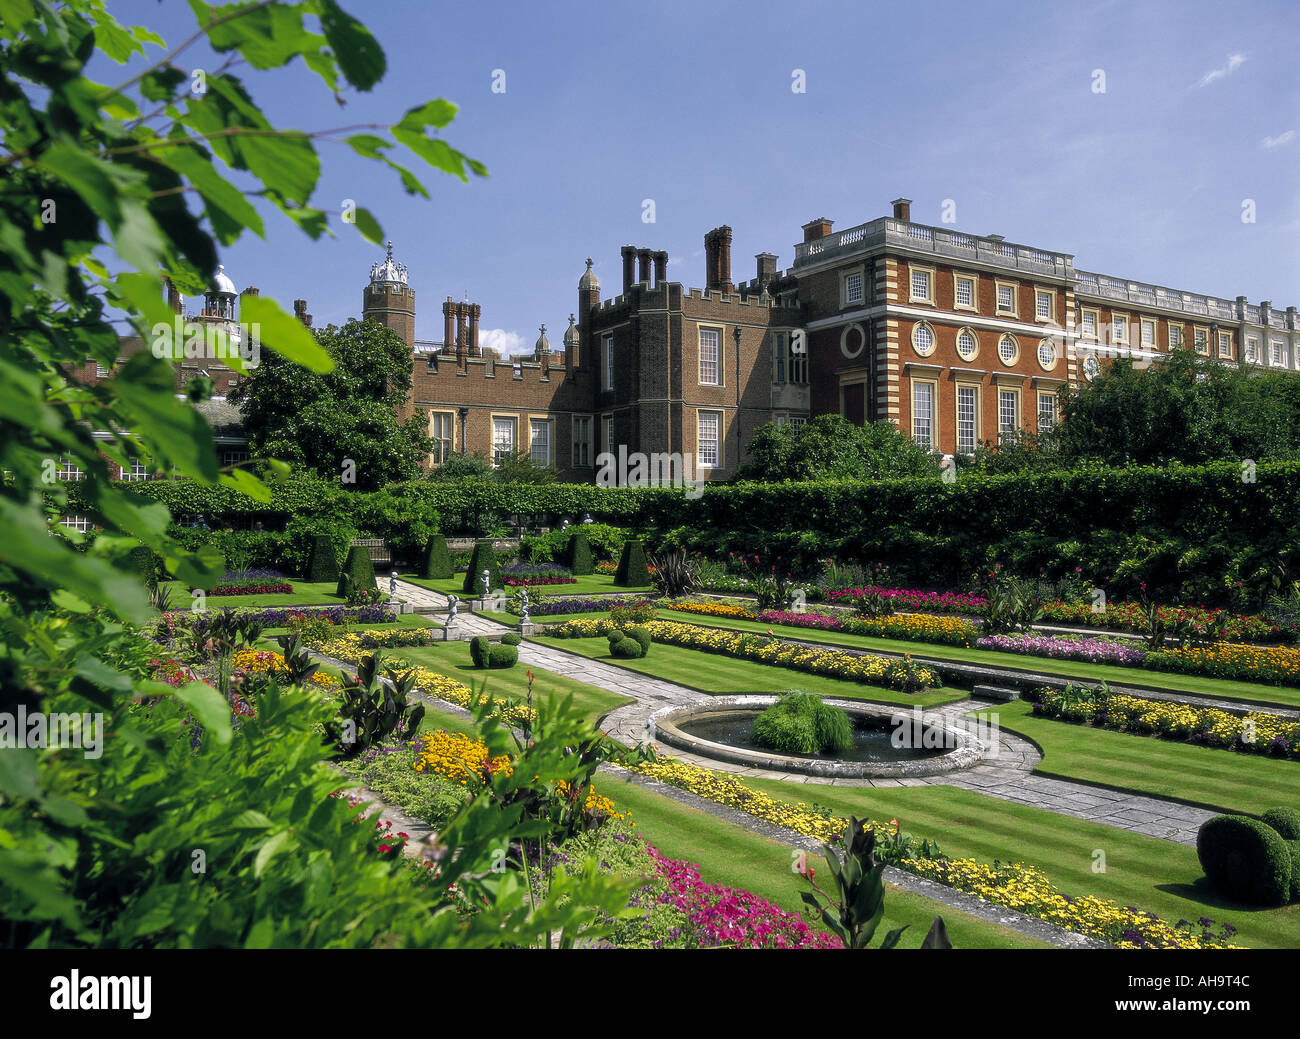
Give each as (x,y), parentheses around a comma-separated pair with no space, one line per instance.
(831,447)
(321,420)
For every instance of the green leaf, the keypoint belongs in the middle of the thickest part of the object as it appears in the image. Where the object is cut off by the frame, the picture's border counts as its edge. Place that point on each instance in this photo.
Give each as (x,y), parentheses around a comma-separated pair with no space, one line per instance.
(268,851)
(244,482)
(359,55)
(209,707)
(369,226)
(284,333)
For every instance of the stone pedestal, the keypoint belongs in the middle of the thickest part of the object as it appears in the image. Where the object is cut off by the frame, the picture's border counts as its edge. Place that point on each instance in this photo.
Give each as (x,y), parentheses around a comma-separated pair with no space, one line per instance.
(526,629)
(405,607)
(451,632)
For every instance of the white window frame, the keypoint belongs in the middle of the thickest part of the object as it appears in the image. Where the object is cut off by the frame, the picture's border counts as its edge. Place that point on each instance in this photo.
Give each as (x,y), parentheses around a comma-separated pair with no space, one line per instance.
(1252,350)
(1225,344)
(1144,340)
(927,438)
(1048,397)
(581,429)
(513,421)
(546,422)
(1084,314)
(928,329)
(1014,427)
(957,343)
(609,362)
(716,446)
(847,299)
(998,308)
(1276,353)
(69,471)
(975,391)
(928,273)
(1005,337)
(76,521)
(1175,336)
(437,457)
(796,365)
(1038,354)
(971,280)
(1201,334)
(607,433)
(1041,295)
(1119,328)
(717,359)
(137,473)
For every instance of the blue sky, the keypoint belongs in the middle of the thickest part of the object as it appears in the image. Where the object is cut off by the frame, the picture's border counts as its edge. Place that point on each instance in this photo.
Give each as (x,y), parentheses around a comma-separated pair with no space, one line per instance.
(991,105)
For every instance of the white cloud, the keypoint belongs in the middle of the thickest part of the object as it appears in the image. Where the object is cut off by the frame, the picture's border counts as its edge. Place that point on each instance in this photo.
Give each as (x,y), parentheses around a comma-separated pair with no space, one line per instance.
(1279,140)
(507,343)
(1235,61)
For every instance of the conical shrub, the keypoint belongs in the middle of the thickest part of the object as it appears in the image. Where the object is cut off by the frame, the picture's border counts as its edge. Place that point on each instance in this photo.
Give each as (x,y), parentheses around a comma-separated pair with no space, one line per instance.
(435,562)
(632,568)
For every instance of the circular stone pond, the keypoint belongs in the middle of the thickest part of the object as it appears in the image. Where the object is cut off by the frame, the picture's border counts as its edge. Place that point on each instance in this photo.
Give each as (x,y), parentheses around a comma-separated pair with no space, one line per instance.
(888,742)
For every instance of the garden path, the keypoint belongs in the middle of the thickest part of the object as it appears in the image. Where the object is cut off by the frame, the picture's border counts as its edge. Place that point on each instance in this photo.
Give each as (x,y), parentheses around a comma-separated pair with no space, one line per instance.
(1007,775)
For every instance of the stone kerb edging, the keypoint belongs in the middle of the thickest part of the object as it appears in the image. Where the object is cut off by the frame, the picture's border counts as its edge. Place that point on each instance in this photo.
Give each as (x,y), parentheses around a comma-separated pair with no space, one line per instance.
(968,750)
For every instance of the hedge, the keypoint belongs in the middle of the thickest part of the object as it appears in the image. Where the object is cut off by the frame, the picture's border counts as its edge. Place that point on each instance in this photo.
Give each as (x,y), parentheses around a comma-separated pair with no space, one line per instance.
(1245,859)
(578,555)
(435,562)
(632,569)
(324,562)
(484,558)
(358,571)
(1189,533)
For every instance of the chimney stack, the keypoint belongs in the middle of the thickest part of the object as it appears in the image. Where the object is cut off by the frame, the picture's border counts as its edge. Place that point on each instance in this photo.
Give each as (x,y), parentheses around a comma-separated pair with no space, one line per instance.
(643,262)
(299,309)
(629,263)
(717,259)
(766,269)
(174,299)
(448,333)
(661,267)
(902,209)
(815,229)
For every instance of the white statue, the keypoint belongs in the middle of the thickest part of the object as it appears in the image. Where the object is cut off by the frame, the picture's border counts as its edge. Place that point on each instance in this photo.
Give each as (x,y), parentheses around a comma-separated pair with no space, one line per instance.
(486,580)
(523,606)
(451,610)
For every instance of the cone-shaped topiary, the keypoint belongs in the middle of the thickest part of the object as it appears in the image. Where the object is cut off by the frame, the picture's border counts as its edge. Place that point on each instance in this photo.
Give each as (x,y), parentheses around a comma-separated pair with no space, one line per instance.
(577,556)
(482,559)
(358,571)
(323,564)
(1245,859)
(435,562)
(632,569)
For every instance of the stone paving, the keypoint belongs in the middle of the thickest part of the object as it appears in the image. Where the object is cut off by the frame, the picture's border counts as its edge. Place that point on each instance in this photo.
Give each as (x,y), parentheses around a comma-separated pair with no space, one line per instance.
(1008,775)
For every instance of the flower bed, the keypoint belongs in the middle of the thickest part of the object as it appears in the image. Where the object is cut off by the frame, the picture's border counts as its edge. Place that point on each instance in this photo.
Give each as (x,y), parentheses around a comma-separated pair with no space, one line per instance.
(283,616)
(1093,650)
(265,661)
(253,588)
(919,627)
(582,604)
(867,668)
(1278,665)
(533,582)
(529,575)
(1018,887)
(724,916)
(912,599)
(714,609)
(1254,733)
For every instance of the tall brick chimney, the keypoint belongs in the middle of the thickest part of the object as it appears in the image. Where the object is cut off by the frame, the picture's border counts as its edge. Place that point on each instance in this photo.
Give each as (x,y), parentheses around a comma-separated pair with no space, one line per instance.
(629,264)
(174,299)
(902,208)
(815,229)
(766,269)
(717,259)
(448,333)
(643,263)
(473,310)
(299,310)
(661,267)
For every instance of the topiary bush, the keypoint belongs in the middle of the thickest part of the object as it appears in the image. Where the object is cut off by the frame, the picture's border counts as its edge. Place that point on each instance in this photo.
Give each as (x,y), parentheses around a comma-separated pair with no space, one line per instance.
(511,638)
(577,556)
(642,637)
(435,560)
(632,567)
(323,564)
(482,559)
(1286,821)
(1245,859)
(628,648)
(799,723)
(358,571)
(141,560)
(479,648)
(503,656)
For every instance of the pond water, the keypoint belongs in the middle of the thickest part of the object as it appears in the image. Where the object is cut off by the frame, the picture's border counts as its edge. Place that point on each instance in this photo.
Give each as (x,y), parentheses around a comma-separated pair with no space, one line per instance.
(871,743)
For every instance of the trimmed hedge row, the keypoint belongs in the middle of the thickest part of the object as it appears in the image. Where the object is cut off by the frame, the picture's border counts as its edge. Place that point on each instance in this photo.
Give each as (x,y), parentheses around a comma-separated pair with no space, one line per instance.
(1190,533)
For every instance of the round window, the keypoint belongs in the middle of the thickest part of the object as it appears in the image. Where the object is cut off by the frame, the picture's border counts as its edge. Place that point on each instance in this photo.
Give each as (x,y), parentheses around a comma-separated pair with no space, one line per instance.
(1047,354)
(967,345)
(923,340)
(1091,368)
(1008,351)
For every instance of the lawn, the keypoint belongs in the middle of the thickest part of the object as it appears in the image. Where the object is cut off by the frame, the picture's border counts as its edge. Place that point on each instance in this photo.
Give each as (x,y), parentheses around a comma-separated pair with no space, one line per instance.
(452,659)
(1138,678)
(1222,779)
(305,593)
(715,673)
(1147,872)
(733,856)
(590,584)
(403,620)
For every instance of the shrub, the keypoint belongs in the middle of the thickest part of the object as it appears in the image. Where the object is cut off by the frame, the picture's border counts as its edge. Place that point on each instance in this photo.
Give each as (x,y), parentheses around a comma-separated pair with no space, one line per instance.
(799,723)
(503,656)
(435,561)
(479,648)
(482,559)
(358,572)
(1245,859)
(141,560)
(632,568)
(577,556)
(511,638)
(642,637)
(628,648)
(623,612)
(1286,821)
(323,564)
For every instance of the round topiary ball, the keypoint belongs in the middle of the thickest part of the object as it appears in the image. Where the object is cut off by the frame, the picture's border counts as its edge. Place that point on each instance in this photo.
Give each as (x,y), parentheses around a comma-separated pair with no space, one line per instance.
(1286,821)
(642,635)
(479,647)
(503,656)
(1245,859)
(511,638)
(627,648)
